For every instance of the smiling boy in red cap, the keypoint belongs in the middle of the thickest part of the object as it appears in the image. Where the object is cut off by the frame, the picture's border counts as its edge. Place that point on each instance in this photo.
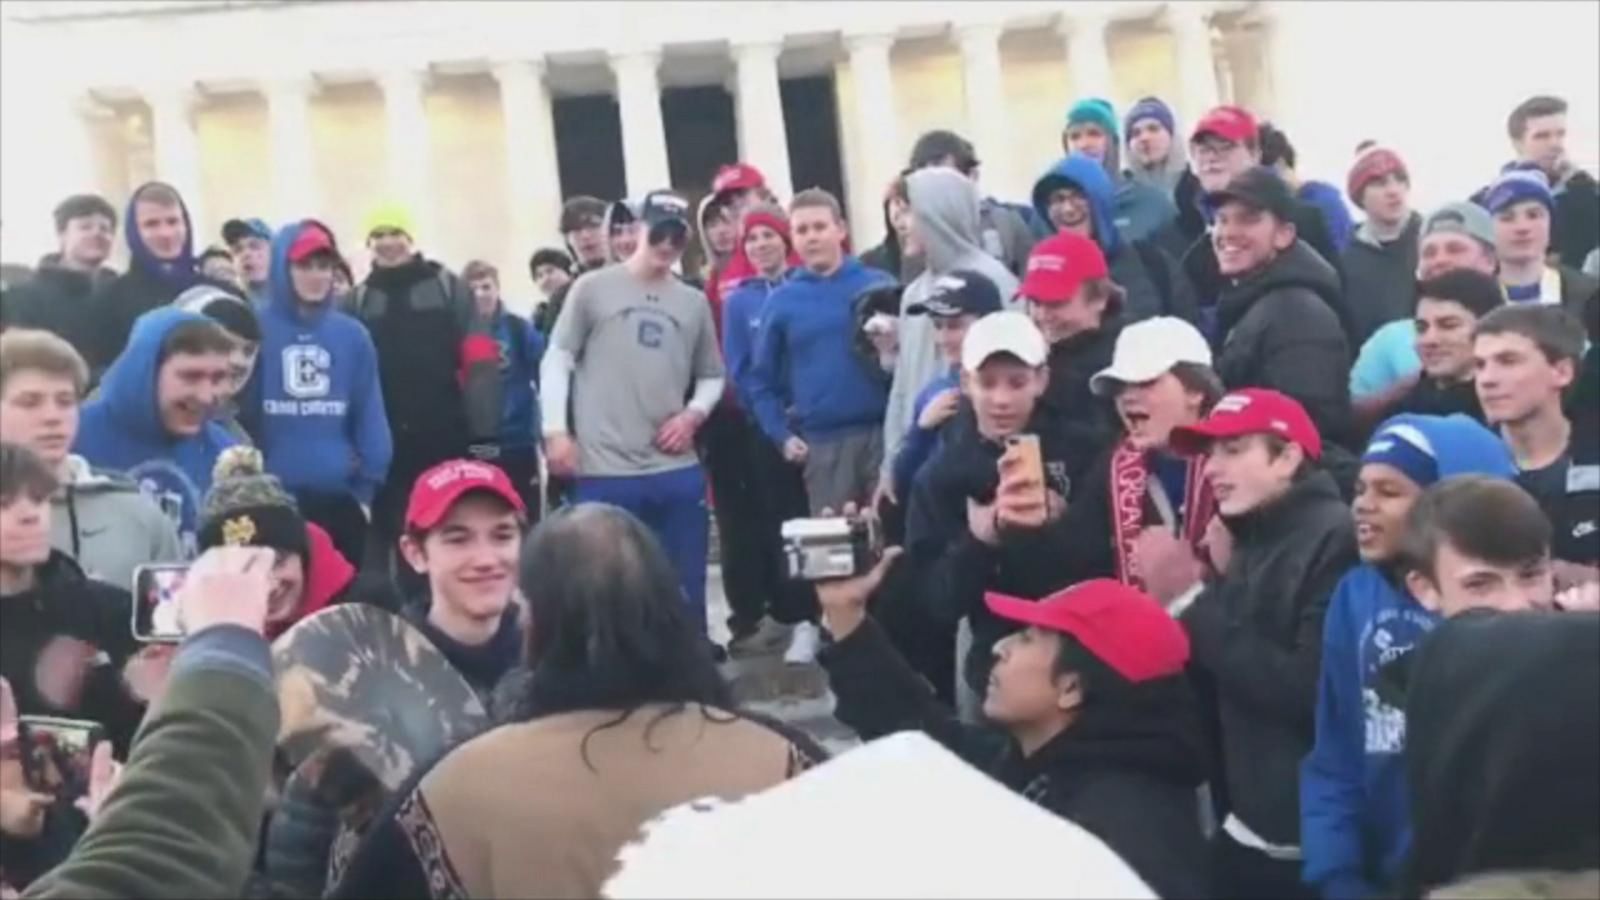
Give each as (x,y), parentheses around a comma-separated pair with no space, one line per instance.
(1087,713)
(1255,620)
(1071,297)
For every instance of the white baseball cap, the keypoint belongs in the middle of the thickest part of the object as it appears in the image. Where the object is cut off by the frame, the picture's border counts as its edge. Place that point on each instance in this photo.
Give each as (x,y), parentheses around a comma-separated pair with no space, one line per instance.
(1147,349)
(1003,332)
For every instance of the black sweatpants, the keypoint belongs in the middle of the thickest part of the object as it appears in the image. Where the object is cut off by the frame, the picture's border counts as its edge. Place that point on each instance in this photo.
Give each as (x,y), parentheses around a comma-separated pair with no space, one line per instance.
(521,465)
(753,491)
(1247,874)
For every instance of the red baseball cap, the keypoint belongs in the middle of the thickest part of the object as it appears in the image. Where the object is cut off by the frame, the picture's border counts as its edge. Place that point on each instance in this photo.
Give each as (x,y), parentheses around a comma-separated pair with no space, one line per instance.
(440,487)
(1122,626)
(1251,411)
(737,177)
(1059,265)
(1232,123)
(311,240)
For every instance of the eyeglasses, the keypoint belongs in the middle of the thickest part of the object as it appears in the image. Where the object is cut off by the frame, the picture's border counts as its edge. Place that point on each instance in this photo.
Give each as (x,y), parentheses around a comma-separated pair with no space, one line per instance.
(1212,147)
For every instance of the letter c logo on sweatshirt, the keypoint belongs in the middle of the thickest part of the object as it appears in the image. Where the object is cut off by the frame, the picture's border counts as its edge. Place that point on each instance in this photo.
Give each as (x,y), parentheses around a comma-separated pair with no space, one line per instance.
(305,371)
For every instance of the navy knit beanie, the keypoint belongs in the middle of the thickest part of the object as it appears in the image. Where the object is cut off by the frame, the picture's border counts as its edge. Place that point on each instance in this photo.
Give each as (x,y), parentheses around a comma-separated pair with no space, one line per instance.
(1149,108)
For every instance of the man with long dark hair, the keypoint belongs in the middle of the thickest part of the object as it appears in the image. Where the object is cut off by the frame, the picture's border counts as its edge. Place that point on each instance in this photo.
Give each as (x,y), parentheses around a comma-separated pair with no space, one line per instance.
(622,716)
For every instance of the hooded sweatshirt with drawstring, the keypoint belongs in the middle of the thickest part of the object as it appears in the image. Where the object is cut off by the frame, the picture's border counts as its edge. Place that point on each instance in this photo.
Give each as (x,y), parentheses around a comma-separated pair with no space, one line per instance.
(102,520)
(1355,823)
(122,430)
(323,425)
(1154,284)
(945,204)
(149,283)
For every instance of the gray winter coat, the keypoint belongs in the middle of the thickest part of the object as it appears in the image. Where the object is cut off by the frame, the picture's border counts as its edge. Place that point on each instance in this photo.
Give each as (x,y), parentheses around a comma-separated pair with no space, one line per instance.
(108,526)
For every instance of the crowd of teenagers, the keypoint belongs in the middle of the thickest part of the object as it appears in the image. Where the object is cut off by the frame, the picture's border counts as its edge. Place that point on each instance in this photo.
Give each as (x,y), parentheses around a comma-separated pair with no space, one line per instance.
(1260,542)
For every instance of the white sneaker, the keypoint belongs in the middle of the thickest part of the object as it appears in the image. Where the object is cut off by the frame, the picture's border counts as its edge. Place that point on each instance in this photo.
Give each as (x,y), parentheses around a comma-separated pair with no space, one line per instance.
(803,645)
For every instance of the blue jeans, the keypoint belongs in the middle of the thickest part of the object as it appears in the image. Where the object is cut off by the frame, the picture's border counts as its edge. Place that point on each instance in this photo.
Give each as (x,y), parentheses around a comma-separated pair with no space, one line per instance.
(673,505)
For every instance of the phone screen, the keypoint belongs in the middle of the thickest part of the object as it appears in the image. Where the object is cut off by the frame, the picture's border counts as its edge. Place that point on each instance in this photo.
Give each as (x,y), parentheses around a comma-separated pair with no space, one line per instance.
(56,754)
(155,602)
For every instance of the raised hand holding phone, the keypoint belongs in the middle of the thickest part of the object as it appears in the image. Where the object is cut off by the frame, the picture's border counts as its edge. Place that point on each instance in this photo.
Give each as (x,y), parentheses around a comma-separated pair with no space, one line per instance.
(227,586)
(1022,500)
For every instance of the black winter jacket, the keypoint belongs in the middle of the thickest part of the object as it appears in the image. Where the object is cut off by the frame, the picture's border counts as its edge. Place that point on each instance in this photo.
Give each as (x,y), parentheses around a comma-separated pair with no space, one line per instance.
(1380,280)
(419,313)
(946,570)
(1199,261)
(1154,282)
(61,301)
(1280,329)
(63,604)
(1576,228)
(1257,632)
(1126,771)
(1088,420)
(120,302)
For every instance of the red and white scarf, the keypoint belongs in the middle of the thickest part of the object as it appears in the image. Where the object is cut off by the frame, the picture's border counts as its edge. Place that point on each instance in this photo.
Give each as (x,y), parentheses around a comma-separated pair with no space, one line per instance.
(1130,484)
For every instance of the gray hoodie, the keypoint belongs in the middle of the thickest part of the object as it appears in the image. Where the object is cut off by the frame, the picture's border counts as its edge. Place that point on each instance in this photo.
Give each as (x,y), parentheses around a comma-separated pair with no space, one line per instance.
(108,526)
(945,205)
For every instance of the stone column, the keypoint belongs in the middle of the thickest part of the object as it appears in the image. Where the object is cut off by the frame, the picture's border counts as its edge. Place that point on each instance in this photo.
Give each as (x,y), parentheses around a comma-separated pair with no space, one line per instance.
(1197,73)
(406,127)
(533,176)
(877,128)
(294,177)
(986,103)
(177,148)
(763,138)
(644,134)
(1087,57)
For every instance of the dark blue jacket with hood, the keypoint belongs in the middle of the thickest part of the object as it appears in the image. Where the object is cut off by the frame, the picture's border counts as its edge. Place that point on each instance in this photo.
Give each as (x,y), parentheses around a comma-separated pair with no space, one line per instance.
(122,430)
(1154,284)
(148,284)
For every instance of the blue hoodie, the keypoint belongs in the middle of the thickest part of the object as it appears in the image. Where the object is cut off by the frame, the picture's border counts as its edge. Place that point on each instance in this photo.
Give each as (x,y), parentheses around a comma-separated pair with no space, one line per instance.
(121,429)
(1329,199)
(741,322)
(805,358)
(519,377)
(1355,819)
(921,443)
(1088,175)
(323,427)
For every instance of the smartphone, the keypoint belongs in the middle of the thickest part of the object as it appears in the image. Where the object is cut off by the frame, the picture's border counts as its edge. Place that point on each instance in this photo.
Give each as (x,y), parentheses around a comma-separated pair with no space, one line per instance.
(1029,465)
(155,602)
(56,754)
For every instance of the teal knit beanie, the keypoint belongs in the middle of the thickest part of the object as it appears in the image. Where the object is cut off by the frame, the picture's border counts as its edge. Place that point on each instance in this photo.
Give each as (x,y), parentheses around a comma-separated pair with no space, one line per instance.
(1095,111)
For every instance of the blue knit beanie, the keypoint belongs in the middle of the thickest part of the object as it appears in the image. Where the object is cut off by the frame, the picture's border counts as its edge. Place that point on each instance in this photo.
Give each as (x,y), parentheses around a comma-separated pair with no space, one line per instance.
(1407,449)
(1095,111)
(1517,185)
(1149,108)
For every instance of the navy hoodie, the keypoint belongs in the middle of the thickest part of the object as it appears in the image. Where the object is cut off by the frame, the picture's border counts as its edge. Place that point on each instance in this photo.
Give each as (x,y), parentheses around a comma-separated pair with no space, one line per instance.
(148,284)
(521,348)
(805,358)
(323,428)
(1355,827)
(121,429)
